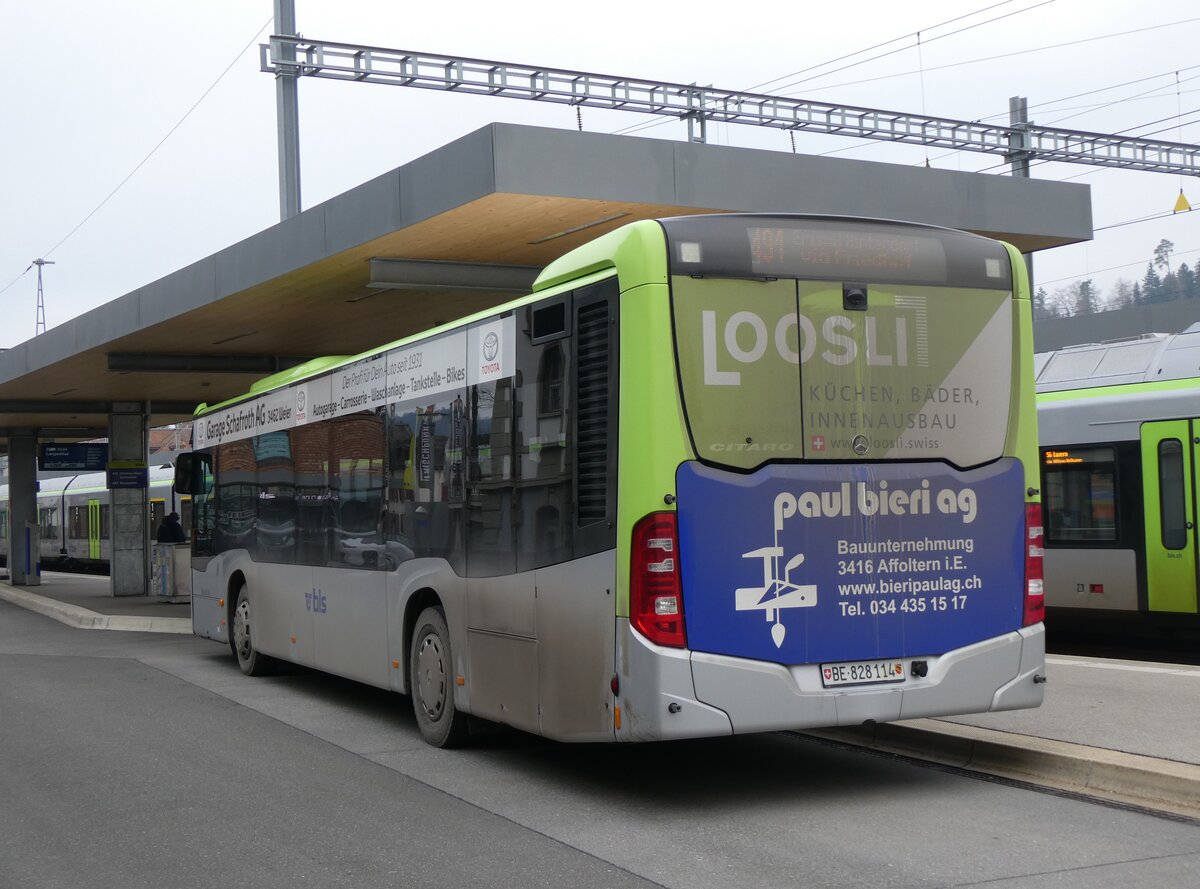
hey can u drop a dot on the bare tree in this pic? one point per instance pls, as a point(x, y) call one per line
point(1062, 302)
point(1121, 294)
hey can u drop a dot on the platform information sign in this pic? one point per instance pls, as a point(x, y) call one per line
point(128, 477)
point(80, 457)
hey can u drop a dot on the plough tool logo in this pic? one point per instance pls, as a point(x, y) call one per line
point(776, 593)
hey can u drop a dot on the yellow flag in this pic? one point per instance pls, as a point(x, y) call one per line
point(1182, 205)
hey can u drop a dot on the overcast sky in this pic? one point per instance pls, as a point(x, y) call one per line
point(90, 89)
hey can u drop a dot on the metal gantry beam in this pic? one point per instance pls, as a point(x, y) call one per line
point(307, 57)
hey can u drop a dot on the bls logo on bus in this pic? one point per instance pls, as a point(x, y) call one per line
point(315, 602)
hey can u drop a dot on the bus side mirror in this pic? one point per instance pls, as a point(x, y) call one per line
point(193, 474)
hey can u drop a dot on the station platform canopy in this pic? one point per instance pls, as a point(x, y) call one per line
point(466, 226)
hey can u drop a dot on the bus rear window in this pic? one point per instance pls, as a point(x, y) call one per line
point(792, 369)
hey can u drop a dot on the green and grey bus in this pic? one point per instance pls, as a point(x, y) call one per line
point(715, 474)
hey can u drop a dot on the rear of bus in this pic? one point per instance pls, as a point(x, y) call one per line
point(828, 478)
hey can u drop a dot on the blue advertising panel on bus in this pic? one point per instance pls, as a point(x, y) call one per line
point(809, 563)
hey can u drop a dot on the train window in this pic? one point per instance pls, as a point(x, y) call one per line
point(78, 528)
point(1079, 494)
point(157, 512)
point(1172, 508)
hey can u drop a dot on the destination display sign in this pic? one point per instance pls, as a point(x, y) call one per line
point(81, 457)
point(1076, 457)
point(834, 249)
point(846, 254)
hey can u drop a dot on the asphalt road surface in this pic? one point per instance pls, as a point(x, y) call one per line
point(131, 760)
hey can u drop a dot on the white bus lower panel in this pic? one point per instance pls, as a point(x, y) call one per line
point(996, 674)
point(666, 693)
point(208, 618)
point(656, 694)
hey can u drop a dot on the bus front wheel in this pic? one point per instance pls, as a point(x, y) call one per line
point(432, 682)
point(241, 641)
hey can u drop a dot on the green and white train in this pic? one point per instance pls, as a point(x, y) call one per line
point(73, 517)
point(1119, 429)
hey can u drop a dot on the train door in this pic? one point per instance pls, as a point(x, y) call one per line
point(1169, 459)
point(93, 529)
point(158, 511)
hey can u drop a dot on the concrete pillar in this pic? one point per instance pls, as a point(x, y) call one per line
point(129, 541)
point(22, 508)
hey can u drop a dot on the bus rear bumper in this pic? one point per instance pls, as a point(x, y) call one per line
point(1002, 673)
point(657, 696)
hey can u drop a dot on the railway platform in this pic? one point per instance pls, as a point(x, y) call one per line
point(1126, 732)
point(86, 601)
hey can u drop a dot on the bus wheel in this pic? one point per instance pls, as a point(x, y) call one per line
point(242, 643)
point(432, 682)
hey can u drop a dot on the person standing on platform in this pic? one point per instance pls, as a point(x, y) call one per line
point(170, 531)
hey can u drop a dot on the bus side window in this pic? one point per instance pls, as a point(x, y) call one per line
point(426, 449)
point(358, 486)
point(544, 454)
point(489, 484)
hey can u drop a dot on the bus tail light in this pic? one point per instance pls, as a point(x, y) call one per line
point(655, 593)
point(1035, 597)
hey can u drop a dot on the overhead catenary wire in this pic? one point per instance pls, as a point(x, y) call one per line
point(637, 128)
point(1114, 268)
point(151, 153)
point(916, 34)
point(1008, 55)
point(905, 48)
point(645, 126)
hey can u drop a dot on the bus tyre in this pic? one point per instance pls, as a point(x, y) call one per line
point(432, 680)
point(242, 641)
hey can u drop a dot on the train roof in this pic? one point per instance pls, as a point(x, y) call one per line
point(1102, 392)
point(1149, 358)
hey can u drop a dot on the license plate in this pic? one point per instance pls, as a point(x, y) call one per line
point(862, 673)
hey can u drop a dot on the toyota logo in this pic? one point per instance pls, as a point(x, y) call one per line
point(491, 345)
